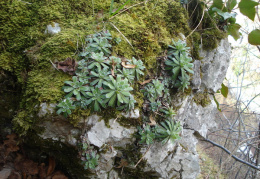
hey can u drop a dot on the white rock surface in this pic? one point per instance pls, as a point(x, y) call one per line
point(53, 28)
point(214, 66)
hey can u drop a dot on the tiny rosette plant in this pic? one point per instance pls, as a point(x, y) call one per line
point(76, 88)
point(168, 131)
point(98, 60)
point(65, 107)
point(92, 160)
point(101, 76)
point(95, 98)
point(147, 135)
point(118, 91)
point(179, 64)
point(139, 67)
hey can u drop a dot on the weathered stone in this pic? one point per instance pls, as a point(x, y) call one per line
point(46, 109)
point(214, 66)
point(60, 130)
point(53, 28)
point(132, 114)
point(196, 80)
point(196, 117)
point(99, 134)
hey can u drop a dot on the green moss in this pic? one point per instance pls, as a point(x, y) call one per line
point(41, 86)
point(150, 28)
point(202, 99)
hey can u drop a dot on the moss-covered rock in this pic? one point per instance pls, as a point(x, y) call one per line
point(27, 52)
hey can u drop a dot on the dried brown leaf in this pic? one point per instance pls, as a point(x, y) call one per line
point(153, 123)
point(144, 82)
point(127, 65)
point(67, 66)
point(123, 163)
point(52, 165)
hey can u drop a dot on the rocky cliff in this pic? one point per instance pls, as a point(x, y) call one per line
point(39, 35)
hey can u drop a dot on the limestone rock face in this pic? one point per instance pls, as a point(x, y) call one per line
point(214, 66)
point(178, 160)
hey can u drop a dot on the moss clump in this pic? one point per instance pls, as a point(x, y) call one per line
point(208, 32)
point(41, 87)
point(150, 28)
point(202, 99)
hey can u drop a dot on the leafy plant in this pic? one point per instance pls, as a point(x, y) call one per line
point(155, 105)
point(139, 66)
point(168, 130)
point(75, 88)
point(147, 135)
point(101, 76)
point(224, 10)
point(158, 86)
point(128, 106)
point(182, 83)
point(95, 99)
point(92, 160)
point(169, 112)
point(153, 90)
point(98, 60)
point(127, 73)
point(179, 65)
point(118, 92)
point(178, 48)
point(65, 107)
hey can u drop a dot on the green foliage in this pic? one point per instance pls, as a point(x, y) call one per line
point(118, 92)
point(97, 43)
point(247, 7)
point(254, 37)
point(127, 74)
point(100, 79)
point(76, 88)
point(98, 61)
point(95, 99)
point(169, 112)
point(179, 64)
point(153, 90)
point(92, 160)
point(178, 48)
point(65, 107)
point(147, 135)
point(224, 90)
point(139, 66)
point(168, 130)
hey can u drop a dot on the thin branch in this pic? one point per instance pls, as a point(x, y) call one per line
point(233, 156)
